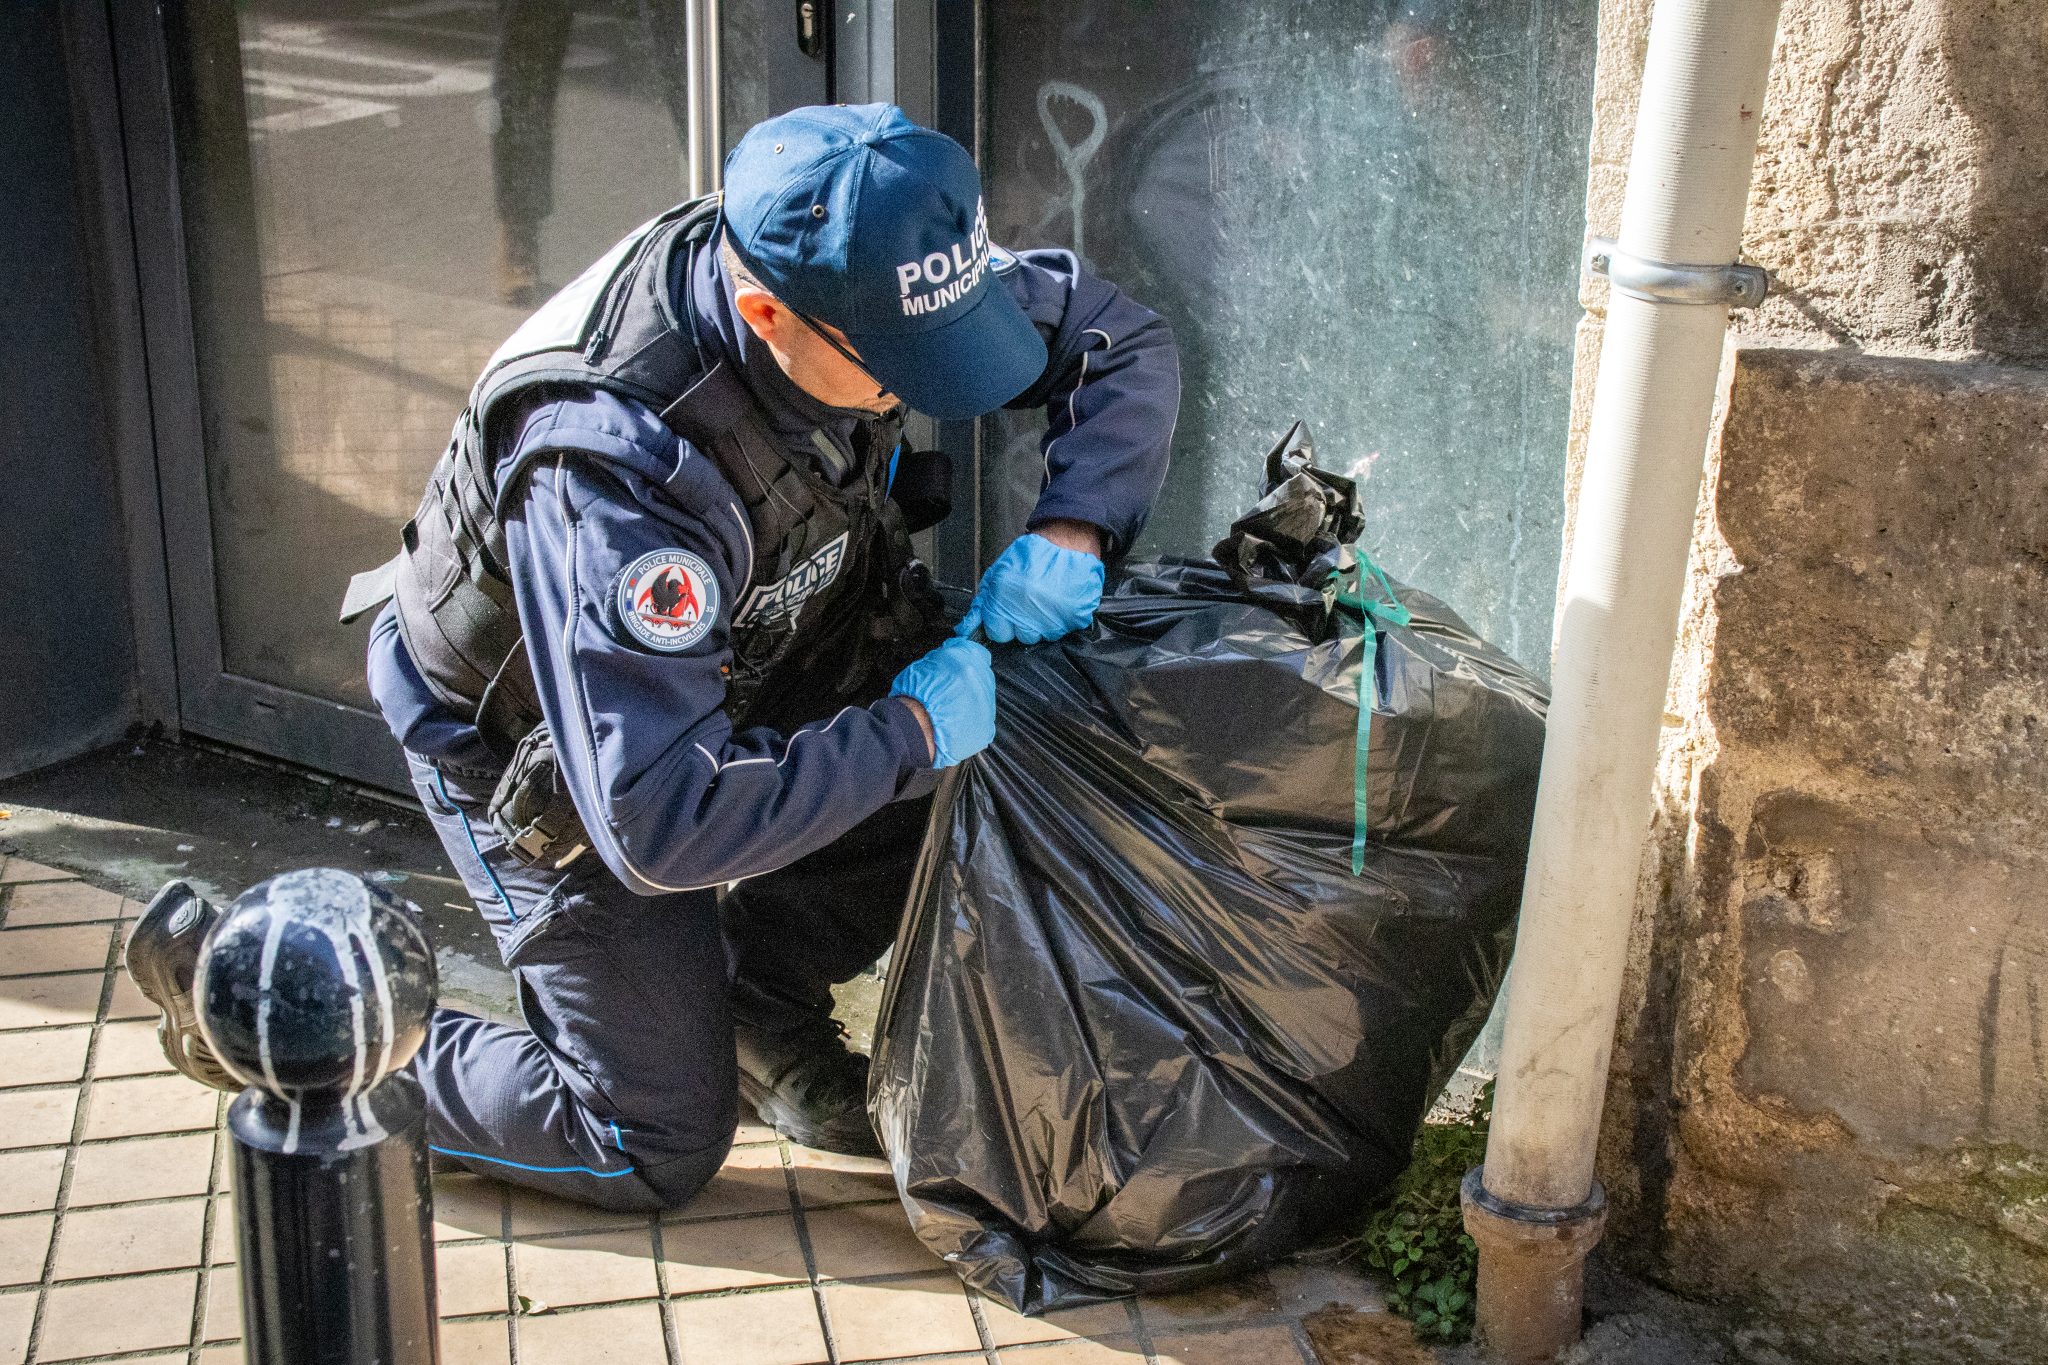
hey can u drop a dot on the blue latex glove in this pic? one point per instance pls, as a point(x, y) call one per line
point(1035, 591)
point(957, 689)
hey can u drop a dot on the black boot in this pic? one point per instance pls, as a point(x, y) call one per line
point(801, 1078)
point(163, 958)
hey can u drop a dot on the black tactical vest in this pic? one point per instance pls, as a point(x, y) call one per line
point(816, 545)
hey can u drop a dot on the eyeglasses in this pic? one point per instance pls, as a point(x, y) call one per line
point(845, 352)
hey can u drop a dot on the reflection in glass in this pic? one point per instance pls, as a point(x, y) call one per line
point(747, 28)
point(375, 193)
point(1367, 215)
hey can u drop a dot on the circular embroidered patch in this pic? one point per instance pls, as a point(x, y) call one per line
point(667, 600)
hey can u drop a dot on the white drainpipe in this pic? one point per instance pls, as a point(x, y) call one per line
point(1534, 1208)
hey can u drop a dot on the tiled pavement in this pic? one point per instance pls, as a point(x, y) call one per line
point(117, 1238)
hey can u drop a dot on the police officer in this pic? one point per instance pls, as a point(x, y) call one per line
point(672, 686)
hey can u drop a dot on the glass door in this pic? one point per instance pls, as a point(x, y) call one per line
point(1366, 215)
point(343, 206)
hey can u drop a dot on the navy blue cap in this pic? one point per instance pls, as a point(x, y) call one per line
point(855, 216)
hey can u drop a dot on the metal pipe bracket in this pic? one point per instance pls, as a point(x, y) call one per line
point(1730, 286)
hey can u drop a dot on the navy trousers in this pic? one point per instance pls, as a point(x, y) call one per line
point(621, 1090)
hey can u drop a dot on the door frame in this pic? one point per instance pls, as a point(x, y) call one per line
point(106, 223)
point(926, 56)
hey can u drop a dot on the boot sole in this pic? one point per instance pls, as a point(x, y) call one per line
point(177, 1023)
point(154, 932)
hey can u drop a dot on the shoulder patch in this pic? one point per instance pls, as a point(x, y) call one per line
point(667, 600)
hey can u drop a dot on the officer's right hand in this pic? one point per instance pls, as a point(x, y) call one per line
point(957, 689)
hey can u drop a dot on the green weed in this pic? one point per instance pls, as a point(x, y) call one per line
point(1417, 1240)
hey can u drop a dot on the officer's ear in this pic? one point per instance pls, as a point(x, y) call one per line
point(763, 313)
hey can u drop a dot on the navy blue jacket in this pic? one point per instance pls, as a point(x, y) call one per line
point(674, 798)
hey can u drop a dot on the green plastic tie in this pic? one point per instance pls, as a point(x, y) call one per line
point(1376, 612)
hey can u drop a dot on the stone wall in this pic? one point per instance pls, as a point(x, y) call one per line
point(1829, 1102)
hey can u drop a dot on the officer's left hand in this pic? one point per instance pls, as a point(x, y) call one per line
point(1041, 588)
point(956, 690)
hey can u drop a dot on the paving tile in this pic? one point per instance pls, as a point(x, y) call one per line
point(141, 1168)
point(222, 1248)
point(149, 1104)
point(1117, 1351)
point(137, 1313)
point(221, 1355)
point(46, 1057)
point(223, 1307)
point(924, 1315)
point(40, 1001)
point(625, 1334)
point(1007, 1327)
point(69, 948)
point(128, 1001)
point(591, 1267)
point(1232, 1346)
point(36, 1118)
point(476, 1343)
point(1376, 1337)
point(470, 1278)
point(130, 1239)
point(537, 1215)
point(778, 1327)
point(17, 1315)
point(24, 1246)
point(827, 1178)
point(747, 1133)
point(28, 1180)
point(467, 1205)
point(1304, 1287)
point(1244, 1297)
point(869, 1239)
point(750, 1181)
point(14, 870)
point(128, 1049)
point(56, 902)
point(732, 1253)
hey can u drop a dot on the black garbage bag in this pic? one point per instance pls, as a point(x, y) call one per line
point(1146, 1025)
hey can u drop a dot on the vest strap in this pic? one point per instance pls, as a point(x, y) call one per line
point(371, 589)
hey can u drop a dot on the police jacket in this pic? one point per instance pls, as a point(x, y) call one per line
point(609, 502)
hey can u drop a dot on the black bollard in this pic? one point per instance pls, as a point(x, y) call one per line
point(314, 991)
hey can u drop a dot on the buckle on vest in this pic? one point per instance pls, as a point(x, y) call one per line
point(532, 811)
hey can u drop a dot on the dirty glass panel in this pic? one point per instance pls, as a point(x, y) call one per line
point(1366, 215)
point(743, 55)
point(376, 194)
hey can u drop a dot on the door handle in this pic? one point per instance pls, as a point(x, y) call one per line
point(811, 26)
